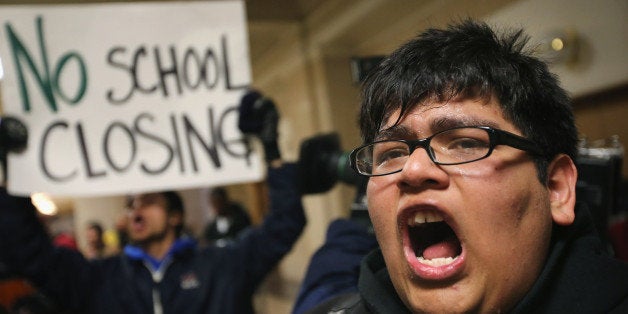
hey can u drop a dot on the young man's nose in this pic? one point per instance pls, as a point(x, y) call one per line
point(419, 168)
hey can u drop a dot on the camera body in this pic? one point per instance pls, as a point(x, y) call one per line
point(13, 138)
point(322, 163)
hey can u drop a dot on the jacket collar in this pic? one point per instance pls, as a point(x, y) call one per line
point(180, 246)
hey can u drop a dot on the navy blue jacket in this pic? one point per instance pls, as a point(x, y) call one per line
point(334, 268)
point(211, 280)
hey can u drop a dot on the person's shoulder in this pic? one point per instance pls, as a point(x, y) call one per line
point(349, 303)
point(238, 207)
point(113, 261)
point(620, 308)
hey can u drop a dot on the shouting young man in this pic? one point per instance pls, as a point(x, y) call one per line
point(469, 146)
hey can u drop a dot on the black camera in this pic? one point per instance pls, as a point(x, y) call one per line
point(13, 138)
point(322, 163)
point(13, 135)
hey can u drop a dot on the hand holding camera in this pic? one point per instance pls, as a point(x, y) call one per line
point(259, 117)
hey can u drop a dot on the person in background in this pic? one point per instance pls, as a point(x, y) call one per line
point(65, 239)
point(335, 266)
point(160, 271)
point(120, 232)
point(95, 244)
point(469, 147)
point(231, 218)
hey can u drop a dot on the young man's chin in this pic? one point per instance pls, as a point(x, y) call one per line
point(141, 240)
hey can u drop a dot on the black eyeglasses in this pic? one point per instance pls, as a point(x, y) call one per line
point(450, 147)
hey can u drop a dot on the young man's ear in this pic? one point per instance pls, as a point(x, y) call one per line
point(561, 184)
point(175, 219)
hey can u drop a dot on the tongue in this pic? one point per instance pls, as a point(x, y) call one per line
point(447, 248)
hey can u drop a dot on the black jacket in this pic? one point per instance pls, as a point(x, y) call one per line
point(212, 280)
point(238, 221)
point(579, 277)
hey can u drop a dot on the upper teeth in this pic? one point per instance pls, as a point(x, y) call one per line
point(424, 217)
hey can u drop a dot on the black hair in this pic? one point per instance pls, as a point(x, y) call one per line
point(469, 60)
point(174, 204)
point(220, 192)
point(97, 227)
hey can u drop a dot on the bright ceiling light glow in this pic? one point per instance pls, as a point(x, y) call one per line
point(44, 204)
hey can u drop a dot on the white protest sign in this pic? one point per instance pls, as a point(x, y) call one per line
point(126, 97)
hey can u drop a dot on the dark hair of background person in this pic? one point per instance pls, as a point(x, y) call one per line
point(174, 205)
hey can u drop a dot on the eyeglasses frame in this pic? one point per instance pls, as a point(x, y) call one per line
point(496, 137)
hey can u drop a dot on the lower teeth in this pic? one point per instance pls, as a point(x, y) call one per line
point(440, 261)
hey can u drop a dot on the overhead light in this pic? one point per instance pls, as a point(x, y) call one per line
point(560, 46)
point(44, 204)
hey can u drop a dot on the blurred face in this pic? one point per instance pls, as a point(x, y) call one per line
point(148, 219)
point(92, 235)
point(218, 203)
point(460, 238)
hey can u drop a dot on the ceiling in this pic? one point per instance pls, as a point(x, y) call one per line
point(264, 15)
point(280, 10)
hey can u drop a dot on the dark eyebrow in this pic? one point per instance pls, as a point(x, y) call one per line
point(394, 132)
point(446, 123)
point(441, 124)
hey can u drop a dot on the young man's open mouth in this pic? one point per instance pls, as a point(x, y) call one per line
point(432, 247)
point(137, 223)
